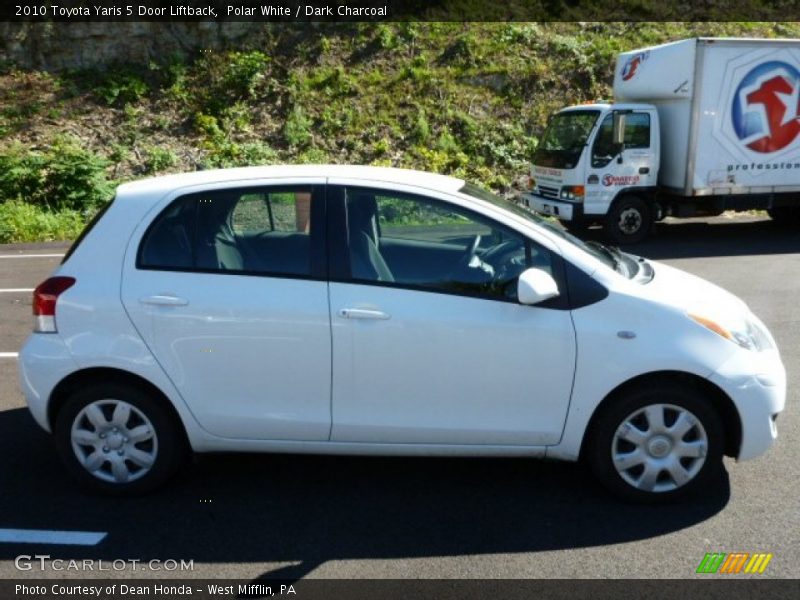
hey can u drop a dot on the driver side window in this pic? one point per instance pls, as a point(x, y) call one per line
point(637, 136)
point(413, 241)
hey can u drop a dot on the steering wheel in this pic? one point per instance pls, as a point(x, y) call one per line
point(469, 252)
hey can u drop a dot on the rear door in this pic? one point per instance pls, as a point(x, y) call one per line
point(227, 287)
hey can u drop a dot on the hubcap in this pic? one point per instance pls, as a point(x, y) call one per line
point(630, 220)
point(114, 441)
point(659, 448)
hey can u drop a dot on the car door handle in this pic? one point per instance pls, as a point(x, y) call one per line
point(644, 170)
point(363, 313)
point(164, 300)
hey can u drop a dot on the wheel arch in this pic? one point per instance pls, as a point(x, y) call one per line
point(79, 379)
point(719, 400)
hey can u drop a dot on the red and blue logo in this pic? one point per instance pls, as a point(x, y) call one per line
point(631, 66)
point(765, 107)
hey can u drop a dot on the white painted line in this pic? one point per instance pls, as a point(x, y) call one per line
point(9, 354)
point(15, 290)
point(31, 255)
point(49, 536)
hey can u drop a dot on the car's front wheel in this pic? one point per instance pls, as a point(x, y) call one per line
point(118, 439)
point(656, 443)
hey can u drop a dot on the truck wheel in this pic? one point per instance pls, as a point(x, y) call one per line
point(656, 443)
point(788, 216)
point(576, 228)
point(629, 220)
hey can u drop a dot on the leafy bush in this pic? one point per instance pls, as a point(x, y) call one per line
point(121, 88)
point(159, 159)
point(65, 176)
point(220, 80)
point(223, 153)
point(245, 71)
point(297, 129)
point(23, 222)
point(421, 131)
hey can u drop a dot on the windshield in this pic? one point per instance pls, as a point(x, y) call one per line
point(565, 138)
point(598, 251)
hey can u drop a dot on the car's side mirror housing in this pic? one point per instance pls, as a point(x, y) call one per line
point(535, 286)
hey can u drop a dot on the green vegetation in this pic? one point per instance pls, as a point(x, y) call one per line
point(63, 176)
point(469, 99)
point(23, 222)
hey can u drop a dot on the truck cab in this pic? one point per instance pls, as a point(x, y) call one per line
point(599, 163)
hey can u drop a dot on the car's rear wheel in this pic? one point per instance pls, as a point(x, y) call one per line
point(656, 443)
point(118, 439)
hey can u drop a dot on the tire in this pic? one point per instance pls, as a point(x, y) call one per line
point(785, 216)
point(96, 432)
point(576, 228)
point(640, 461)
point(629, 221)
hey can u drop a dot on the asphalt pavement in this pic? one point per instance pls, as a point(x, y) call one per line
point(259, 516)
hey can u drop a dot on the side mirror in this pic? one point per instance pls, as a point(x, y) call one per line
point(618, 134)
point(535, 286)
point(618, 131)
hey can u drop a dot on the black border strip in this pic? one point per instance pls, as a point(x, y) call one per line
point(287, 11)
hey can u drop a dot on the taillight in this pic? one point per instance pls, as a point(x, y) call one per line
point(45, 297)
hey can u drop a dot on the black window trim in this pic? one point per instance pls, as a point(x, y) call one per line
point(318, 267)
point(339, 250)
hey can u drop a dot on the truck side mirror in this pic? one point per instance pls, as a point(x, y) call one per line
point(618, 131)
point(618, 134)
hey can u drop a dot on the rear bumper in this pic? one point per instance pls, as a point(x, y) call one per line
point(756, 383)
point(566, 211)
point(43, 362)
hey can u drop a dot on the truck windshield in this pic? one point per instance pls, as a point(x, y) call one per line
point(565, 138)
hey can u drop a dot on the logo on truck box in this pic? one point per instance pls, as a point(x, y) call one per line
point(765, 107)
point(631, 66)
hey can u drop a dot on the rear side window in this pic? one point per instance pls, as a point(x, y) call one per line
point(89, 226)
point(265, 231)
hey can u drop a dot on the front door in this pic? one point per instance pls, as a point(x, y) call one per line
point(610, 171)
point(430, 345)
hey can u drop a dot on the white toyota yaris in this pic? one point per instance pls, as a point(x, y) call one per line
point(364, 310)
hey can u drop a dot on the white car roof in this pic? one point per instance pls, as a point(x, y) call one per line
point(167, 183)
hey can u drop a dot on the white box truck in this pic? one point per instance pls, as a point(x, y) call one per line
point(697, 127)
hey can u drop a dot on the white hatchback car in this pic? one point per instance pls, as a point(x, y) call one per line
point(364, 310)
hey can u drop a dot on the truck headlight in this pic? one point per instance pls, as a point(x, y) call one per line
point(572, 192)
point(745, 329)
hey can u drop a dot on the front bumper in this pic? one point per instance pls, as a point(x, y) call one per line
point(756, 383)
point(566, 211)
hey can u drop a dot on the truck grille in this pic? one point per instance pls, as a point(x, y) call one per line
point(548, 192)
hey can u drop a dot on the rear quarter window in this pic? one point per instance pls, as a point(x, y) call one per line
point(89, 226)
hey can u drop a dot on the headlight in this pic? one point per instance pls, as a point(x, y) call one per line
point(573, 192)
point(744, 330)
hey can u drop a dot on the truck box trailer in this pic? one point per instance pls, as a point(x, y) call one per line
point(697, 127)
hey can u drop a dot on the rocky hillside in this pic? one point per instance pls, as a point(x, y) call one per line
point(469, 99)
